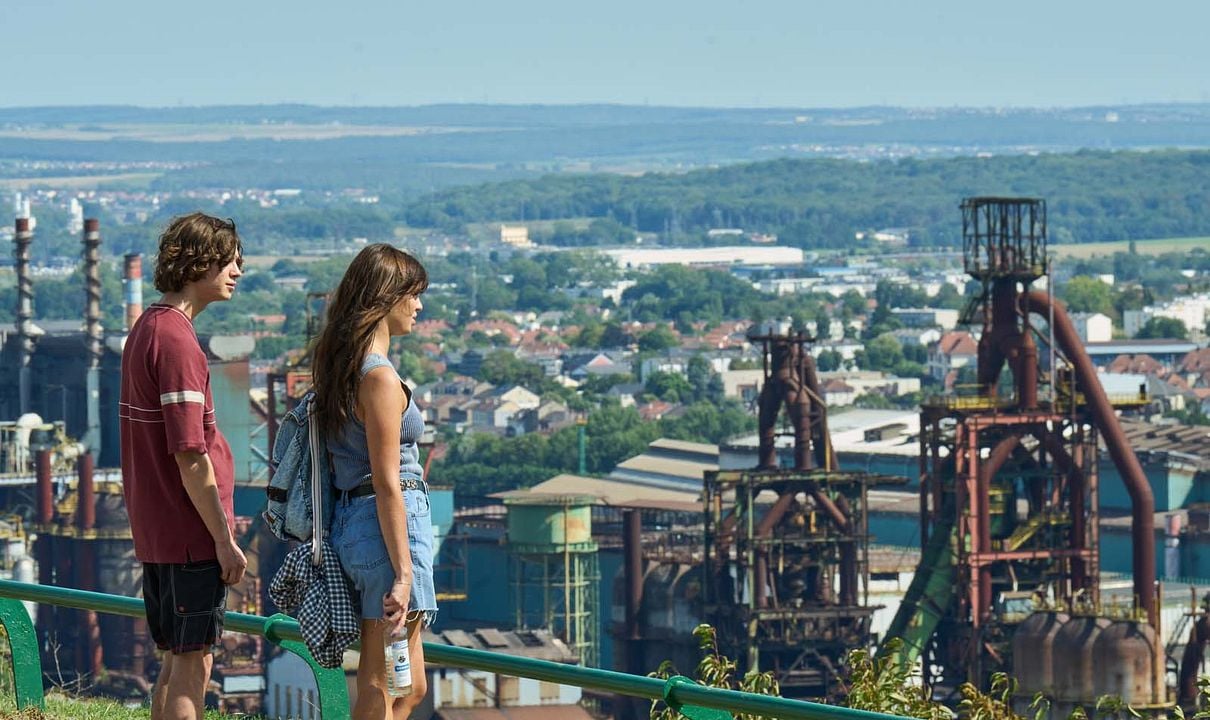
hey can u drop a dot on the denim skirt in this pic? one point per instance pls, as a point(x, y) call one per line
point(357, 538)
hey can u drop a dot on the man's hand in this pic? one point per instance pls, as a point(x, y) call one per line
point(231, 561)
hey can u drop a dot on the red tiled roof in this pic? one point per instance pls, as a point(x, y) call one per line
point(1197, 361)
point(1138, 364)
point(655, 409)
point(836, 385)
point(957, 342)
point(430, 328)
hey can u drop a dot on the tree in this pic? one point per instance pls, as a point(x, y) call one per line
point(876, 401)
point(1088, 294)
point(881, 353)
point(1163, 328)
point(829, 360)
point(852, 304)
point(706, 384)
point(715, 670)
point(501, 367)
point(669, 387)
point(658, 338)
point(255, 282)
point(709, 423)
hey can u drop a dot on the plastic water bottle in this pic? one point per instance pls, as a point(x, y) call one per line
point(398, 665)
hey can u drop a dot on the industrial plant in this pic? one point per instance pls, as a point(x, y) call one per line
point(790, 546)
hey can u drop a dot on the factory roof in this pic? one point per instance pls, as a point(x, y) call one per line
point(1190, 443)
point(616, 493)
point(849, 430)
point(669, 464)
point(1136, 347)
point(539, 644)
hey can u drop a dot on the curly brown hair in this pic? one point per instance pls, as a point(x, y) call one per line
point(378, 278)
point(190, 246)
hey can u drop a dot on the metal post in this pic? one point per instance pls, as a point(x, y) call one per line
point(23, 643)
point(333, 689)
point(583, 445)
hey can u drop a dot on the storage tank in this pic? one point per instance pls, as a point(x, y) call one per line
point(1072, 658)
point(548, 522)
point(1125, 667)
point(1033, 647)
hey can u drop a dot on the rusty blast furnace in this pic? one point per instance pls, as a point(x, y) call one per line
point(1008, 495)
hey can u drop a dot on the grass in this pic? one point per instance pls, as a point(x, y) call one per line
point(62, 707)
point(1144, 247)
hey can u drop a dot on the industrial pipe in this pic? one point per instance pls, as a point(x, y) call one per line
point(44, 550)
point(1142, 501)
point(86, 518)
point(1191, 660)
point(995, 460)
point(88, 651)
point(46, 492)
point(632, 537)
point(772, 394)
point(1007, 340)
point(22, 239)
point(132, 287)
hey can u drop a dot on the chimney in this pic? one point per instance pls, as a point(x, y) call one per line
point(25, 311)
point(92, 280)
point(132, 287)
point(92, 332)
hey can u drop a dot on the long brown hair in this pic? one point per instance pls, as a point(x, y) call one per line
point(378, 278)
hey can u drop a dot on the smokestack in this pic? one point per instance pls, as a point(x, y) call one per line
point(92, 280)
point(92, 317)
point(1172, 548)
point(132, 287)
point(25, 311)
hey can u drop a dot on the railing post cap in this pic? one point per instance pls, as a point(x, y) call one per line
point(271, 625)
point(670, 685)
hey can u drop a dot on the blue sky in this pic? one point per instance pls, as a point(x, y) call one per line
point(790, 53)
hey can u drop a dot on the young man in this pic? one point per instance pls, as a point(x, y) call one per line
point(177, 469)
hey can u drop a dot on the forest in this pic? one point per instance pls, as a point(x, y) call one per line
point(821, 203)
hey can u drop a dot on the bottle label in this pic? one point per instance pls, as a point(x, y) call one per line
point(401, 666)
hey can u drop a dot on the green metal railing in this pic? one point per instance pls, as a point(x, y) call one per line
point(691, 699)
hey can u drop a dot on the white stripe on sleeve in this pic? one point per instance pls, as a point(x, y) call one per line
point(183, 396)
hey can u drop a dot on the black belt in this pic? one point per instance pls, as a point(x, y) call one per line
point(367, 488)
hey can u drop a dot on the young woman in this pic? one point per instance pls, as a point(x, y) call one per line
point(381, 529)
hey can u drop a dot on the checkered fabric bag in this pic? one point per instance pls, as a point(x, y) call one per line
point(318, 595)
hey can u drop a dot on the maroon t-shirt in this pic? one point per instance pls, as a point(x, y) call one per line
point(166, 407)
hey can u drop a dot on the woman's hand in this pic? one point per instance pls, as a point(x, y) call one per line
point(395, 606)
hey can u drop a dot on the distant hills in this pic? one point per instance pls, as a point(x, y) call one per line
point(811, 176)
point(455, 144)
